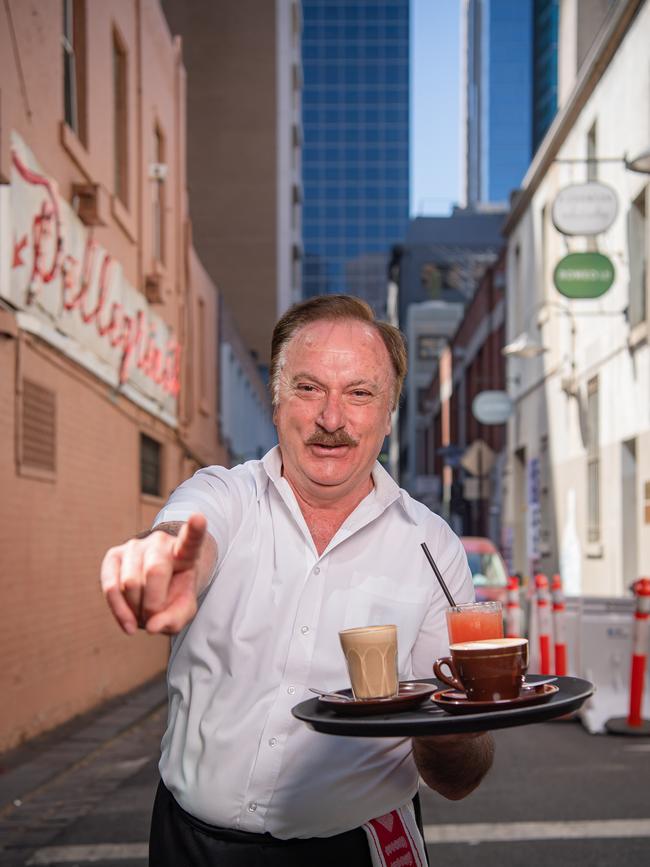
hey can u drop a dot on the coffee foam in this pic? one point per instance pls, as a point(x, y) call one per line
point(489, 644)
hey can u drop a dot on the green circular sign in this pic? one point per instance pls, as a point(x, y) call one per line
point(583, 275)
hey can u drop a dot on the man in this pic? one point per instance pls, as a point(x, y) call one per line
point(255, 572)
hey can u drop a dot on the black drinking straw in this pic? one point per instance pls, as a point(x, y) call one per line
point(432, 562)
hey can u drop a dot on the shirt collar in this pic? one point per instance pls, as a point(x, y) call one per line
point(387, 491)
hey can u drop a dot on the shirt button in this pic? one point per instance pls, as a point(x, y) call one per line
point(291, 690)
point(273, 742)
point(316, 570)
point(304, 630)
point(252, 807)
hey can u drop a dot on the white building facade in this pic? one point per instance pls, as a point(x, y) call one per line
point(577, 480)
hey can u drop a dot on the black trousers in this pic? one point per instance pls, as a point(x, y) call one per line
point(180, 840)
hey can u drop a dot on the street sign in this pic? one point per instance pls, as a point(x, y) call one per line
point(492, 407)
point(583, 275)
point(451, 454)
point(478, 459)
point(585, 209)
point(475, 488)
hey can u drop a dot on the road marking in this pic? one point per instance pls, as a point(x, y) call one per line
point(478, 832)
point(90, 854)
point(508, 832)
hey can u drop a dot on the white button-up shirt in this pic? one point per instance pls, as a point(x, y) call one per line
point(267, 628)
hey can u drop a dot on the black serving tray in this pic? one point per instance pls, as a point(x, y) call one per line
point(429, 719)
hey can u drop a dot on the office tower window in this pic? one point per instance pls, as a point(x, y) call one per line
point(637, 229)
point(74, 66)
point(593, 462)
point(120, 121)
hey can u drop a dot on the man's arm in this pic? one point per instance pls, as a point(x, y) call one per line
point(153, 581)
point(454, 765)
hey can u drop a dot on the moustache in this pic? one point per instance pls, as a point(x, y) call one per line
point(336, 438)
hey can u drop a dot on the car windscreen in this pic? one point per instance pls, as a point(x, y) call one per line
point(487, 570)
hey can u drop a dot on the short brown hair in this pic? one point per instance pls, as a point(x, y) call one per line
point(334, 307)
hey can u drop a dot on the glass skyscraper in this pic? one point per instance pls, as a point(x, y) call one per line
point(498, 97)
point(355, 157)
point(546, 15)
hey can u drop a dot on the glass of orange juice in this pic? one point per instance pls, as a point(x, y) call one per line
point(474, 620)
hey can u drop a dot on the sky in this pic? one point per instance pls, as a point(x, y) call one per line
point(435, 106)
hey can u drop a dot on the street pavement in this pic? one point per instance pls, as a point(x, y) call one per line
point(555, 796)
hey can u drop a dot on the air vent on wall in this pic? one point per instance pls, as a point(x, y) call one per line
point(38, 427)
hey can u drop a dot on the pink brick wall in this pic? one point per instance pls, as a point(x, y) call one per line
point(60, 651)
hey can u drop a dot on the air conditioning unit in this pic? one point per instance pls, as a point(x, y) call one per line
point(158, 171)
point(154, 285)
point(92, 204)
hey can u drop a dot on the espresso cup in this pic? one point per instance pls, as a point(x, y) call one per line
point(371, 656)
point(488, 670)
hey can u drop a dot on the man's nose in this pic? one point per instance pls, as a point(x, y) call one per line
point(332, 414)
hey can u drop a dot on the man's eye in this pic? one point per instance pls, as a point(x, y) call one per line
point(303, 386)
point(361, 393)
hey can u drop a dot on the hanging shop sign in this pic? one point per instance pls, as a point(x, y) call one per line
point(585, 209)
point(492, 407)
point(583, 275)
point(76, 296)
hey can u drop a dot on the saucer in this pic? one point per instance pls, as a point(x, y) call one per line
point(410, 695)
point(457, 702)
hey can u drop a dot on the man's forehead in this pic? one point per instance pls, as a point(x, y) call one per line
point(340, 336)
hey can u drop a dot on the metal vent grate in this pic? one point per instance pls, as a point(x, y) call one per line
point(150, 460)
point(38, 426)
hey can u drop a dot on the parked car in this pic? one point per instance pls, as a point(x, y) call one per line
point(490, 577)
point(489, 572)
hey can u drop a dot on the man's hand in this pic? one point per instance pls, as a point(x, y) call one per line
point(454, 765)
point(153, 582)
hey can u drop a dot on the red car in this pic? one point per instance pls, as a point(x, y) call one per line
point(488, 569)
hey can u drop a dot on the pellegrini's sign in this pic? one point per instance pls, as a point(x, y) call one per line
point(67, 284)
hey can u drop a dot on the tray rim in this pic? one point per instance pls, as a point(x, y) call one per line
point(437, 721)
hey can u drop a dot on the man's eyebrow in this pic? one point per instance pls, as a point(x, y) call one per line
point(304, 375)
point(369, 383)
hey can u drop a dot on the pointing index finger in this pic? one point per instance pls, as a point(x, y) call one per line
point(189, 542)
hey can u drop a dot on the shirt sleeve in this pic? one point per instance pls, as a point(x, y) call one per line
point(450, 557)
point(222, 496)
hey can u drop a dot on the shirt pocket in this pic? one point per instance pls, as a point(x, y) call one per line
point(377, 600)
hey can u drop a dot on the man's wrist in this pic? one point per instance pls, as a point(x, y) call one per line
point(172, 528)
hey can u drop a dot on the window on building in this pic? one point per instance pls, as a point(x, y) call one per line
point(428, 347)
point(120, 120)
point(637, 230)
point(593, 462)
point(158, 196)
point(74, 66)
point(150, 466)
point(203, 348)
point(592, 153)
point(544, 249)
